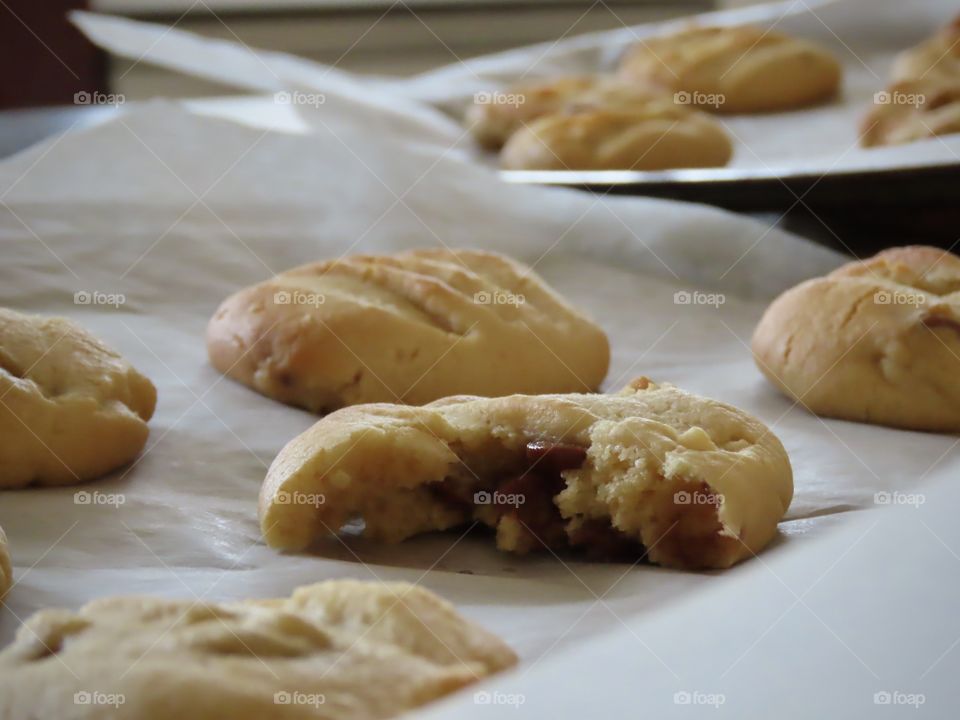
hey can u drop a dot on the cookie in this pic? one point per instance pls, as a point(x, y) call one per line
point(656, 136)
point(338, 649)
point(876, 341)
point(6, 569)
point(410, 327)
point(71, 409)
point(495, 116)
point(937, 58)
point(742, 69)
point(913, 110)
point(649, 472)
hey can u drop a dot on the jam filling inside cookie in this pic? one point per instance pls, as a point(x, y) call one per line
point(520, 500)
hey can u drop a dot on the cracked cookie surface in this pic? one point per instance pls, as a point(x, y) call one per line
point(876, 341)
point(651, 471)
point(338, 649)
point(410, 327)
point(736, 69)
point(656, 135)
point(71, 409)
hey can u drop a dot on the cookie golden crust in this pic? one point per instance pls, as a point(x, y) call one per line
point(688, 482)
point(337, 649)
point(741, 69)
point(874, 341)
point(495, 116)
point(6, 569)
point(913, 110)
point(410, 327)
point(71, 409)
point(937, 58)
point(656, 136)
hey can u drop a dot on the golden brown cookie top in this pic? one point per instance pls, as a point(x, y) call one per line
point(655, 135)
point(913, 110)
point(340, 648)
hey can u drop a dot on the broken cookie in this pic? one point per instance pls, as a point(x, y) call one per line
point(650, 472)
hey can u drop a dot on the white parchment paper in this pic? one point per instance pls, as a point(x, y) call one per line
point(176, 209)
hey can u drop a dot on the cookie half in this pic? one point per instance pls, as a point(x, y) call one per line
point(495, 116)
point(649, 472)
point(876, 341)
point(6, 569)
point(71, 409)
point(410, 327)
point(739, 69)
point(337, 649)
point(655, 136)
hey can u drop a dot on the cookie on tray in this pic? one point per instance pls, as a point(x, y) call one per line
point(338, 649)
point(913, 110)
point(735, 69)
point(875, 341)
point(495, 116)
point(409, 327)
point(937, 58)
point(71, 409)
point(657, 135)
point(650, 472)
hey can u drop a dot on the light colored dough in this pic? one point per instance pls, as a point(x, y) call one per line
point(913, 110)
point(937, 58)
point(655, 136)
point(338, 649)
point(410, 327)
point(71, 409)
point(6, 569)
point(752, 70)
point(387, 465)
point(502, 113)
point(875, 341)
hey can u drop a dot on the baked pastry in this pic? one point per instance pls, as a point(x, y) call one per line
point(913, 110)
point(6, 569)
point(656, 136)
point(937, 58)
point(337, 649)
point(649, 472)
point(876, 341)
point(742, 69)
point(410, 327)
point(71, 409)
point(495, 116)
